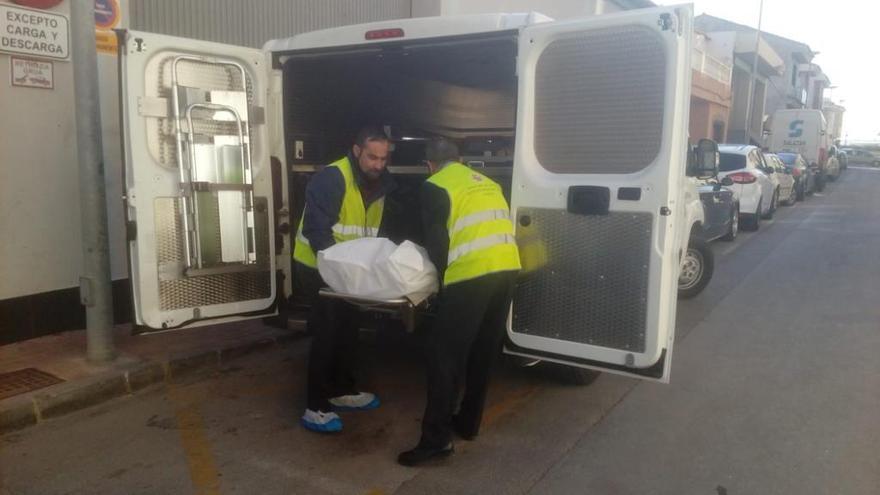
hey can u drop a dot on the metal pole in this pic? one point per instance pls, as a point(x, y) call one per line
point(752, 85)
point(95, 283)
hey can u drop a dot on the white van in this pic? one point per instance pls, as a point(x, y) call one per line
point(805, 132)
point(583, 121)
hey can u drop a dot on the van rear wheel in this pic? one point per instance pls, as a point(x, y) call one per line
point(571, 375)
point(697, 267)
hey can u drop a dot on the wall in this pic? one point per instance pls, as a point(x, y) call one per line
point(39, 195)
point(739, 93)
point(247, 23)
point(698, 124)
point(557, 9)
point(703, 117)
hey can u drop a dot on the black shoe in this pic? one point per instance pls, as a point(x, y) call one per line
point(420, 455)
point(463, 432)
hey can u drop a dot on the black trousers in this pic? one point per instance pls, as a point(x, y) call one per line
point(463, 342)
point(334, 327)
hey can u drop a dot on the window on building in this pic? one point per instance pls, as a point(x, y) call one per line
point(718, 131)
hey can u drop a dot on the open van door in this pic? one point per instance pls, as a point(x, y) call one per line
point(599, 164)
point(198, 180)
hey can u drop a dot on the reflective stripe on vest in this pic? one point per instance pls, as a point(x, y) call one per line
point(481, 243)
point(481, 237)
point(480, 216)
point(354, 220)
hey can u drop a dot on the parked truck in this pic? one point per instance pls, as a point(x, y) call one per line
point(806, 132)
point(583, 122)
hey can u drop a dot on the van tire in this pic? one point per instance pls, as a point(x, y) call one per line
point(571, 375)
point(700, 265)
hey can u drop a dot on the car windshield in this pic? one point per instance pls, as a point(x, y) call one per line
point(787, 158)
point(731, 161)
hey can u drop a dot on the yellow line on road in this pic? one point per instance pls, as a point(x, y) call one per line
point(199, 457)
point(508, 404)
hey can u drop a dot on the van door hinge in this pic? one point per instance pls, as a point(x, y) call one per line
point(666, 22)
point(665, 211)
point(130, 230)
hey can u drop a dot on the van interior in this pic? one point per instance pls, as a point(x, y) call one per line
point(463, 88)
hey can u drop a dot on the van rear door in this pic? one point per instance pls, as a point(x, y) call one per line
point(600, 158)
point(198, 181)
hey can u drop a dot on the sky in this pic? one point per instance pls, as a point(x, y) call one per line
point(844, 32)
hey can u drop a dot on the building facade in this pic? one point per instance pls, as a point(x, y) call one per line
point(787, 77)
point(834, 117)
point(710, 92)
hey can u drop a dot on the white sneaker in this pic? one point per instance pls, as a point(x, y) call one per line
point(360, 401)
point(321, 422)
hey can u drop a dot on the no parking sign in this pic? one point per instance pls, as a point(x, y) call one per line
point(106, 14)
point(107, 17)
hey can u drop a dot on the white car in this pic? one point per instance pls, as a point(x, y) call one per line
point(785, 182)
point(753, 186)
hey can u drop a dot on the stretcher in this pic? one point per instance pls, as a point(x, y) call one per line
point(402, 308)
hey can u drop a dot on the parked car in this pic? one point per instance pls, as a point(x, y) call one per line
point(857, 156)
point(697, 259)
point(843, 158)
point(783, 178)
point(721, 210)
point(833, 167)
point(753, 187)
point(804, 176)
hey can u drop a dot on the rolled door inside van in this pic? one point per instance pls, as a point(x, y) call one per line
point(600, 155)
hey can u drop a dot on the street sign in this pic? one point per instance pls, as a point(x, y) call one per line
point(107, 17)
point(31, 73)
point(106, 14)
point(36, 33)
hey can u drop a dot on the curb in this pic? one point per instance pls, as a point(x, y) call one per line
point(31, 409)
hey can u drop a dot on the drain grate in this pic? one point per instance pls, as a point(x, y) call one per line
point(21, 381)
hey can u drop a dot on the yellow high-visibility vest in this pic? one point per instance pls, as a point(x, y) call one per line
point(354, 221)
point(481, 237)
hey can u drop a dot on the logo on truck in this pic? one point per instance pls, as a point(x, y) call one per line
point(796, 129)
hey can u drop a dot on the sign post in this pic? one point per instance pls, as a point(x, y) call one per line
point(95, 283)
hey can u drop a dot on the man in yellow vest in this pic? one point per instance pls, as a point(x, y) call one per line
point(344, 201)
point(469, 237)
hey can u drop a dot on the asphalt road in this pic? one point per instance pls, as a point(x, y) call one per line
point(775, 389)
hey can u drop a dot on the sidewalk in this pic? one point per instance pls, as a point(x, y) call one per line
point(143, 360)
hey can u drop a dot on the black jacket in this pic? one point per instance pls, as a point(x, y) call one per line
point(324, 194)
point(435, 215)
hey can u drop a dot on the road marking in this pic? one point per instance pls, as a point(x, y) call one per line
point(199, 456)
point(733, 247)
point(508, 404)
